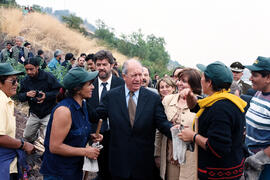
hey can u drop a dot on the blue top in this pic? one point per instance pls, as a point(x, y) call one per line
point(7, 155)
point(53, 63)
point(78, 136)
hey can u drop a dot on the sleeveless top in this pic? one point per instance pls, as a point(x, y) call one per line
point(78, 136)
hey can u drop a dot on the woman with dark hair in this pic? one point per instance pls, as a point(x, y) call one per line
point(9, 145)
point(178, 113)
point(68, 129)
point(220, 125)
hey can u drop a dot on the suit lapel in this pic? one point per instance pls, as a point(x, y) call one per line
point(95, 93)
point(140, 104)
point(113, 82)
point(121, 102)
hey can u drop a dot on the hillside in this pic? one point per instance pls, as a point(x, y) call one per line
point(47, 33)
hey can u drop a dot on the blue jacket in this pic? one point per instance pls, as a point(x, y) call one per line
point(53, 63)
point(7, 155)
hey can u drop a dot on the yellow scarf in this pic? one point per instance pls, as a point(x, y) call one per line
point(223, 94)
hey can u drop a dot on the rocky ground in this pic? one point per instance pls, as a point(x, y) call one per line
point(34, 160)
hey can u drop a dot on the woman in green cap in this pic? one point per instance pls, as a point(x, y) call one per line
point(9, 145)
point(68, 130)
point(220, 118)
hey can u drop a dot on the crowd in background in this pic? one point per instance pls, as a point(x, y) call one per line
point(225, 118)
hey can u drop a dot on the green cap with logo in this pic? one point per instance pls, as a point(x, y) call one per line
point(260, 64)
point(7, 70)
point(218, 72)
point(76, 76)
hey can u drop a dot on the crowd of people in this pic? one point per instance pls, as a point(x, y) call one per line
point(222, 122)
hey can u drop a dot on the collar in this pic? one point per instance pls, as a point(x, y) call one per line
point(174, 101)
point(136, 93)
point(223, 94)
point(109, 81)
point(75, 104)
point(3, 96)
point(237, 82)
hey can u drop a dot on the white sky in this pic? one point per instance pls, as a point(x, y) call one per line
point(196, 31)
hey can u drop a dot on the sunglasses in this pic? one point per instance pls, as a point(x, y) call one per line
point(13, 82)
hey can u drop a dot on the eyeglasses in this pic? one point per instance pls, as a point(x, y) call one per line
point(13, 81)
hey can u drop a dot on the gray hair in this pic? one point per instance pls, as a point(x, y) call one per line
point(125, 65)
point(20, 38)
point(57, 52)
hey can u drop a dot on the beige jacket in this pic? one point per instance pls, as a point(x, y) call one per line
point(185, 117)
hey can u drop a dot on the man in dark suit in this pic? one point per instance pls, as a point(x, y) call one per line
point(134, 114)
point(104, 82)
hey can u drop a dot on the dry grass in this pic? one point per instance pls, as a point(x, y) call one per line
point(46, 32)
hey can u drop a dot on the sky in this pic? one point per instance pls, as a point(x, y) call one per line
point(195, 31)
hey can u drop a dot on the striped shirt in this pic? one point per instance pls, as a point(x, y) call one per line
point(258, 121)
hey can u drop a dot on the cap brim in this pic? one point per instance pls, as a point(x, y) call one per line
point(254, 68)
point(91, 76)
point(13, 73)
point(201, 67)
point(237, 70)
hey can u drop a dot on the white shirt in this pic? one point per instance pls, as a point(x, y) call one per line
point(100, 86)
point(135, 97)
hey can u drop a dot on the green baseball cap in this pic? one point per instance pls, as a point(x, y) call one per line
point(6, 70)
point(260, 64)
point(76, 76)
point(218, 72)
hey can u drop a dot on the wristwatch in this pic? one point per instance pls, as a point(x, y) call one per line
point(22, 144)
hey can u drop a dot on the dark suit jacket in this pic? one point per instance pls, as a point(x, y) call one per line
point(131, 151)
point(244, 86)
point(93, 102)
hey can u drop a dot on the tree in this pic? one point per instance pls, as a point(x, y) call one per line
point(37, 8)
point(150, 49)
point(72, 21)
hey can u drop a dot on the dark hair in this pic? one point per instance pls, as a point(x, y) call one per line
point(8, 42)
point(216, 87)
point(264, 73)
point(26, 44)
point(149, 72)
point(102, 54)
point(40, 52)
point(64, 93)
point(179, 67)
point(83, 54)
point(3, 79)
point(194, 79)
point(89, 56)
point(34, 61)
point(69, 56)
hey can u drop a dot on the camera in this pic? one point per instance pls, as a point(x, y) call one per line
point(38, 94)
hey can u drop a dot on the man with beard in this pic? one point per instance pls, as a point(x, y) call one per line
point(146, 80)
point(39, 88)
point(103, 83)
